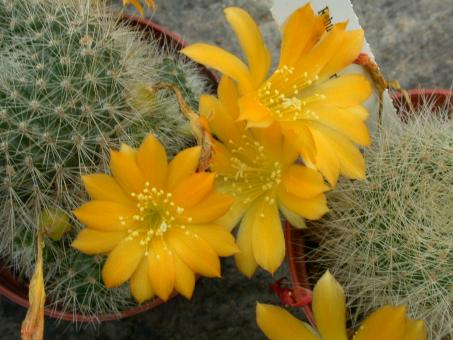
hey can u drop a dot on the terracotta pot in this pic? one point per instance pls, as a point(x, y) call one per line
point(437, 97)
point(295, 249)
point(17, 291)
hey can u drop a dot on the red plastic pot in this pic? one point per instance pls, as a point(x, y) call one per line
point(295, 249)
point(17, 291)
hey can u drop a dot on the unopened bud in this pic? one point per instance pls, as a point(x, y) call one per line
point(55, 223)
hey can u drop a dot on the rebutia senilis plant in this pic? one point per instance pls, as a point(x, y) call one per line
point(73, 85)
point(389, 239)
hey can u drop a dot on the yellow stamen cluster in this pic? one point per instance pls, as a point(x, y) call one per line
point(282, 94)
point(254, 173)
point(155, 215)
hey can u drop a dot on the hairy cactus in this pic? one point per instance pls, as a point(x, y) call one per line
point(389, 239)
point(74, 83)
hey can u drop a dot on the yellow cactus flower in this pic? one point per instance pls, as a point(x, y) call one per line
point(136, 3)
point(155, 220)
point(257, 167)
point(304, 94)
point(388, 322)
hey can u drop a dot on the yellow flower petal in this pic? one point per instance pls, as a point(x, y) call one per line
point(220, 240)
point(126, 172)
point(184, 278)
point(151, 4)
point(32, 327)
point(271, 139)
point(139, 284)
point(359, 112)
point(349, 51)
point(268, 241)
point(102, 187)
point(183, 165)
point(278, 324)
point(329, 308)
point(314, 60)
point(233, 215)
point(303, 182)
point(221, 159)
point(212, 207)
point(193, 189)
point(105, 216)
point(251, 41)
point(194, 251)
point(228, 96)
point(290, 152)
point(326, 161)
point(346, 90)
point(302, 30)
point(128, 150)
point(299, 134)
point(122, 262)
point(136, 4)
point(256, 114)
point(388, 322)
point(152, 161)
point(415, 330)
point(220, 122)
point(245, 260)
point(350, 159)
point(343, 121)
point(294, 219)
point(312, 209)
point(161, 268)
point(93, 242)
point(222, 61)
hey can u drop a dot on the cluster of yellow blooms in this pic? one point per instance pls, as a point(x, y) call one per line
point(279, 143)
point(264, 125)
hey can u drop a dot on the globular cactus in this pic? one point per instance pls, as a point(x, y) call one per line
point(74, 83)
point(389, 239)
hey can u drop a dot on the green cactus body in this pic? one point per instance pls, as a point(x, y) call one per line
point(389, 238)
point(74, 83)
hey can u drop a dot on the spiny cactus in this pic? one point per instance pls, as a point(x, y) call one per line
point(74, 83)
point(389, 239)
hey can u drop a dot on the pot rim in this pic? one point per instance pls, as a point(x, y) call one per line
point(18, 292)
point(294, 238)
point(441, 93)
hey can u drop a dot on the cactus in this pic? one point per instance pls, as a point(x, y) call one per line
point(74, 83)
point(389, 239)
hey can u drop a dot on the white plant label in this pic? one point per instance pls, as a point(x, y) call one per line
point(339, 11)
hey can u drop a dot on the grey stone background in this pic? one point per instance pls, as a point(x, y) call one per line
point(412, 41)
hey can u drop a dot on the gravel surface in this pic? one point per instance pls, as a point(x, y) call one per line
point(412, 41)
